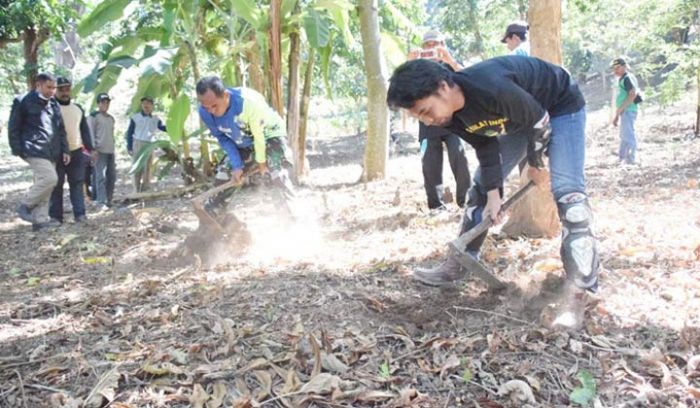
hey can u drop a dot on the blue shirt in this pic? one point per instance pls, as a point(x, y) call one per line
point(226, 129)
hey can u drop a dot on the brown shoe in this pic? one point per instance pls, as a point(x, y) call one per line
point(444, 274)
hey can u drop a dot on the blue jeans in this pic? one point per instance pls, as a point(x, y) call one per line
point(75, 172)
point(566, 160)
point(628, 139)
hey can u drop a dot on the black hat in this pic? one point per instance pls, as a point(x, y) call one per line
point(519, 27)
point(618, 61)
point(103, 97)
point(147, 98)
point(62, 81)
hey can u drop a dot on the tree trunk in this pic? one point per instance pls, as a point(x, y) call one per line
point(66, 50)
point(536, 215)
point(207, 167)
point(293, 101)
point(275, 35)
point(32, 40)
point(377, 112)
point(697, 115)
point(255, 75)
point(474, 18)
point(304, 115)
point(544, 17)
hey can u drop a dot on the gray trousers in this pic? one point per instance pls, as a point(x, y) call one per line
point(105, 177)
point(45, 179)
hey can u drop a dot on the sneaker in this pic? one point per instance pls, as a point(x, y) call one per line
point(24, 213)
point(100, 208)
point(80, 219)
point(444, 274)
point(51, 224)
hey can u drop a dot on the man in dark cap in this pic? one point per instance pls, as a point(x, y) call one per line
point(516, 39)
point(102, 124)
point(628, 97)
point(143, 127)
point(80, 147)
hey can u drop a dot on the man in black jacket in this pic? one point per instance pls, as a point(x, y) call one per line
point(37, 135)
point(80, 146)
point(509, 108)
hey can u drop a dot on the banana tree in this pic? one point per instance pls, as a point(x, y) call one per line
point(167, 35)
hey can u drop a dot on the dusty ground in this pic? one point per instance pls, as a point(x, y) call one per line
point(325, 313)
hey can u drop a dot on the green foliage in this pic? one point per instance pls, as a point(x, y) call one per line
point(50, 16)
point(384, 370)
point(584, 394)
point(652, 35)
point(317, 28)
point(177, 115)
point(103, 14)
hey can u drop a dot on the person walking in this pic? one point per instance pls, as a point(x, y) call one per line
point(79, 143)
point(37, 135)
point(102, 125)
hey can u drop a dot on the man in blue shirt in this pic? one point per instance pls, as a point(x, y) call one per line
point(248, 130)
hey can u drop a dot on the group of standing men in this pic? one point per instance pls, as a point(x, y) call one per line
point(52, 133)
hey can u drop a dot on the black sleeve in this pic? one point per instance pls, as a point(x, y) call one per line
point(526, 113)
point(489, 156)
point(14, 127)
point(521, 108)
point(627, 83)
point(85, 133)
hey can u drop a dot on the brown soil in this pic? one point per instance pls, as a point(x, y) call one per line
point(324, 313)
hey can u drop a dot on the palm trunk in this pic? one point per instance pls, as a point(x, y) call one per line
point(293, 101)
point(207, 167)
point(255, 74)
point(376, 150)
point(536, 215)
point(275, 36)
point(697, 115)
point(304, 115)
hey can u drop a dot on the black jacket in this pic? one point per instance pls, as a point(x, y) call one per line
point(36, 128)
point(509, 95)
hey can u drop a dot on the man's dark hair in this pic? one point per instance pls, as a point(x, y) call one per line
point(415, 80)
point(44, 77)
point(211, 83)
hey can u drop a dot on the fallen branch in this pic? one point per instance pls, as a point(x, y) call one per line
point(21, 389)
point(158, 195)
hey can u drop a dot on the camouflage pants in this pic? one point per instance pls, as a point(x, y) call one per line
point(278, 165)
point(276, 154)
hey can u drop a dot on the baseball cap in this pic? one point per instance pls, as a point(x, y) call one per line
point(433, 35)
point(147, 98)
point(618, 61)
point(62, 81)
point(103, 97)
point(518, 27)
